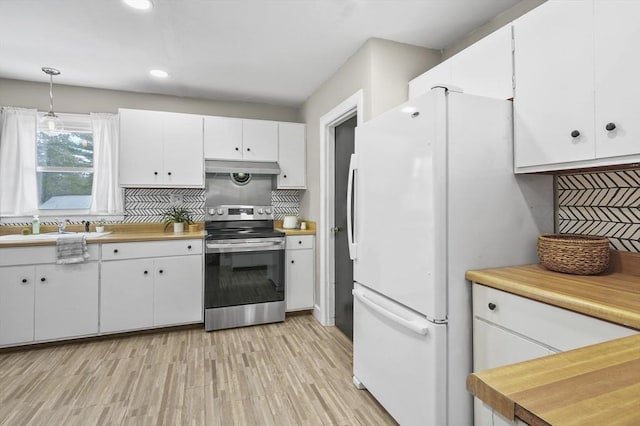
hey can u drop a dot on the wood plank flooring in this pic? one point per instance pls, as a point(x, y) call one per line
point(292, 373)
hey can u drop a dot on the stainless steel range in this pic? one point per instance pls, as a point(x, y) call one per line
point(244, 267)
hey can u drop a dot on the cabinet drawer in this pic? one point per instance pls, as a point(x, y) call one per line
point(137, 250)
point(35, 255)
point(298, 242)
point(555, 327)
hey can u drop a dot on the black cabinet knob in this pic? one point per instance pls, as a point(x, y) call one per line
point(161, 271)
point(169, 173)
point(248, 149)
point(293, 261)
point(146, 272)
point(43, 279)
point(492, 306)
point(285, 176)
point(610, 127)
point(189, 247)
point(299, 242)
point(575, 134)
point(237, 149)
point(155, 173)
point(24, 281)
point(115, 251)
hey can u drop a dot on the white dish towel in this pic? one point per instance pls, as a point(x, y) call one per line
point(71, 248)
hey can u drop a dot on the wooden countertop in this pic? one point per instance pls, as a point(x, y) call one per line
point(594, 385)
point(311, 228)
point(613, 295)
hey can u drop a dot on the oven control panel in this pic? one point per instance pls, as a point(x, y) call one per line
point(219, 213)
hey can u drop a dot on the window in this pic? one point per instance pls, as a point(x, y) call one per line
point(65, 165)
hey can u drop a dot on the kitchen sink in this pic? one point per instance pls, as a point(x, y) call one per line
point(51, 236)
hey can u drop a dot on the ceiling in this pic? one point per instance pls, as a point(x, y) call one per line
point(267, 51)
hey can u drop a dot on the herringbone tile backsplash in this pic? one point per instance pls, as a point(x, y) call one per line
point(148, 204)
point(606, 204)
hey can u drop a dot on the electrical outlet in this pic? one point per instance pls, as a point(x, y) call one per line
point(175, 199)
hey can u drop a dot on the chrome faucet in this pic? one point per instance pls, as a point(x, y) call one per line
point(61, 225)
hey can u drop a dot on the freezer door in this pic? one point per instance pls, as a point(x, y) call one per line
point(400, 358)
point(400, 204)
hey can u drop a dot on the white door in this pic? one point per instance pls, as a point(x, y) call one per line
point(141, 149)
point(554, 84)
point(126, 295)
point(259, 140)
point(395, 205)
point(183, 155)
point(400, 358)
point(616, 77)
point(291, 155)
point(222, 138)
point(66, 300)
point(177, 292)
point(16, 304)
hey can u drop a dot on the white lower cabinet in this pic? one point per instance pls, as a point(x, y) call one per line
point(508, 329)
point(40, 300)
point(299, 272)
point(142, 292)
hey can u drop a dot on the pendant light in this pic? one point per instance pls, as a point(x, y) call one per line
point(50, 121)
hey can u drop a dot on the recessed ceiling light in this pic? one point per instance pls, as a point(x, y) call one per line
point(159, 73)
point(139, 4)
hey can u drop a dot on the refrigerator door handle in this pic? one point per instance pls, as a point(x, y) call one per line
point(350, 230)
point(418, 326)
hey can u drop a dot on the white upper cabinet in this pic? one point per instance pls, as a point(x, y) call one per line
point(292, 156)
point(160, 149)
point(576, 89)
point(485, 68)
point(240, 139)
point(617, 67)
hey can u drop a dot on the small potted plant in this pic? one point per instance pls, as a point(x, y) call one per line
point(100, 222)
point(177, 216)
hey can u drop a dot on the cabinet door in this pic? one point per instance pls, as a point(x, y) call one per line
point(222, 138)
point(438, 75)
point(299, 277)
point(616, 77)
point(141, 147)
point(259, 140)
point(16, 304)
point(291, 155)
point(126, 295)
point(177, 294)
point(66, 300)
point(486, 67)
point(183, 155)
point(554, 84)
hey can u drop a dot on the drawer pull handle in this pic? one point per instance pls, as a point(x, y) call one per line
point(492, 306)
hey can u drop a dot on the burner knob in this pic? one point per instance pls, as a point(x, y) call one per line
point(268, 210)
point(220, 211)
point(212, 211)
point(260, 211)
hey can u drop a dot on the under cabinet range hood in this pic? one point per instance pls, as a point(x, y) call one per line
point(253, 167)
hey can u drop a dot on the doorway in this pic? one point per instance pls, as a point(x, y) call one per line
point(343, 266)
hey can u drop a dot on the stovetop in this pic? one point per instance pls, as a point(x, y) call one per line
point(241, 229)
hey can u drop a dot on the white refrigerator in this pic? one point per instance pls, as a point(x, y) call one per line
point(434, 195)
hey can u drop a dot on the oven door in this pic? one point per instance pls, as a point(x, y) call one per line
point(244, 272)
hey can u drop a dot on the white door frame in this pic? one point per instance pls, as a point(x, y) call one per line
point(353, 105)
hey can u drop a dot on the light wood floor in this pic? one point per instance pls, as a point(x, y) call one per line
point(291, 373)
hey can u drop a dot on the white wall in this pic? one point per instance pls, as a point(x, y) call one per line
point(382, 69)
point(74, 99)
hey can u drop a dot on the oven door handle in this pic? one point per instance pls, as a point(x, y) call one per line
point(240, 247)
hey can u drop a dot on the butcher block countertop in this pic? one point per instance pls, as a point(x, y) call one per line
point(311, 228)
point(594, 385)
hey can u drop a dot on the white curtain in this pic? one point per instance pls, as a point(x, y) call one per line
point(18, 187)
point(106, 195)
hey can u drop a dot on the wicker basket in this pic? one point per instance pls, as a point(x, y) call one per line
point(574, 254)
